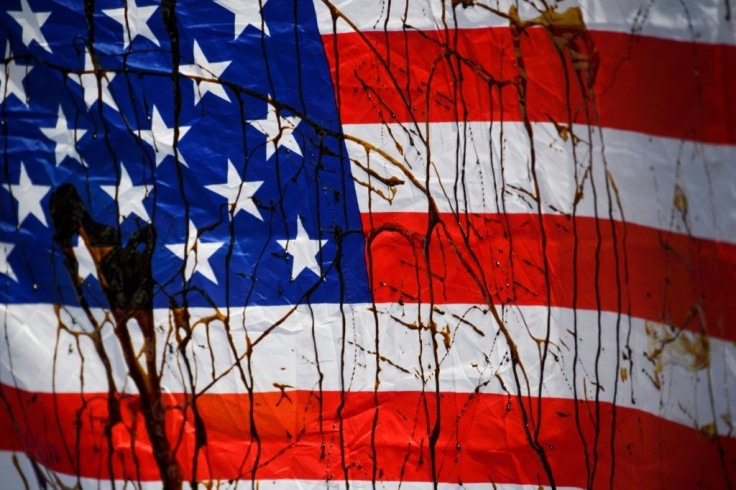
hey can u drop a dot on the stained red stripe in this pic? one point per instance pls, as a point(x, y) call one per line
point(656, 86)
point(662, 276)
point(481, 439)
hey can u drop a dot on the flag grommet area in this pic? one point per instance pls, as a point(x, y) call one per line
point(336, 244)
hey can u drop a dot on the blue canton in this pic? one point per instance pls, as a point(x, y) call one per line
point(225, 142)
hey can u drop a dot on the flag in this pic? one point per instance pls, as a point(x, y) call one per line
point(280, 244)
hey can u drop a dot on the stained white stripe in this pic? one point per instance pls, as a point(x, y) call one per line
point(702, 21)
point(683, 377)
point(683, 186)
point(13, 477)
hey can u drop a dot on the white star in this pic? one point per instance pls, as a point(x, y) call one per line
point(279, 131)
point(246, 14)
point(202, 68)
point(12, 77)
point(85, 262)
point(28, 196)
point(88, 81)
point(161, 138)
point(239, 193)
point(5, 268)
point(128, 196)
point(136, 22)
point(303, 251)
point(197, 254)
point(31, 22)
point(64, 139)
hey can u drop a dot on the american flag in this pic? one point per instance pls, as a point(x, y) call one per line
point(352, 244)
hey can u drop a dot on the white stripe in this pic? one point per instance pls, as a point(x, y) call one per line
point(477, 169)
point(702, 21)
point(12, 479)
point(670, 374)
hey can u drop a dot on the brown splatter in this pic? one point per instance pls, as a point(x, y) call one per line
point(126, 278)
point(680, 201)
point(569, 33)
point(668, 346)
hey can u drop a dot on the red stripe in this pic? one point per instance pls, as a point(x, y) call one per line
point(649, 452)
point(656, 86)
point(664, 276)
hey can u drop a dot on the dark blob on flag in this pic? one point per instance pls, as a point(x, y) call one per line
point(125, 271)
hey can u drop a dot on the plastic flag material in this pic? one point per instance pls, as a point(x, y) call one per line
point(352, 244)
